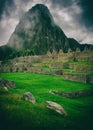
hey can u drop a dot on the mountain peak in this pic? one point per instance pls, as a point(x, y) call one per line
point(38, 32)
point(42, 11)
point(40, 7)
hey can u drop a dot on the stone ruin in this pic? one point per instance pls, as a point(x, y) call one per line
point(53, 59)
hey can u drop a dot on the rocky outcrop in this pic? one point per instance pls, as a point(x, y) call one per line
point(75, 94)
point(55, 106)
point(28, 96)
point(6, 83)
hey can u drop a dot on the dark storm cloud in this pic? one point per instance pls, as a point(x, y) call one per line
point(76, 18)
point(86, 6)
point(87, 14)
point(3, 6)
point(61, 2)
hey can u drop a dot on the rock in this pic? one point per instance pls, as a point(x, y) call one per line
point(29, 97)
point(53, 92)
point(5, 88)
point(11, 84)
point(6, 83)
point(58, 108)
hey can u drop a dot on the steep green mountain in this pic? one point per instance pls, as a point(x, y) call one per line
point(36, 34)
point(73, 44)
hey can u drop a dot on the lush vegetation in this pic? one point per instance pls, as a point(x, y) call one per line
point(5, 51)
point(17, 114)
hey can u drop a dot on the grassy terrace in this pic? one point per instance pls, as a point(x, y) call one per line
point(16, 114)
point(81, 63)
point(46, 68)
point(70, 71)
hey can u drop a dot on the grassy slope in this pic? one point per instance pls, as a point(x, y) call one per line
point(16, 114)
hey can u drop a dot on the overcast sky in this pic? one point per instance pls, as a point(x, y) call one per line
point(75, 17)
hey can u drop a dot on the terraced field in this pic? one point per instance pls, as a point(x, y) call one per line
point(17, 114)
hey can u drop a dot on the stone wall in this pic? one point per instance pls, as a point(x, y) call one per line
point(84, 56)
point(90, 79)
point(81, 68)
point(76, 77)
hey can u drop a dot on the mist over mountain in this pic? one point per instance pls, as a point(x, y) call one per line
point(38, 32)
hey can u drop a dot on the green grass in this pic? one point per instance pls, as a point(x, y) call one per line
point(79, 73)
point(68, 69)
point(17, 114)
point(46, 68)
point(81, 63)
point(71, 71)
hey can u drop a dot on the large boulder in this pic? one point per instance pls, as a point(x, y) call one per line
point(6, 83)
point(58, 108)
point(29, 97)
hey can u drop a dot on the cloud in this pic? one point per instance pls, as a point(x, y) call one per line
point(87, 13)
point(3, 6)
point(69, 18)
point(72, 16)
point(7, 26)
